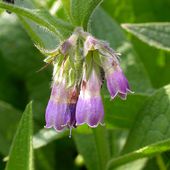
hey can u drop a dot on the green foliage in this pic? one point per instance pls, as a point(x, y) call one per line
point(79, 11)
point(154, 34)
point(21, 152)
point(135, 130)
point(150, 133)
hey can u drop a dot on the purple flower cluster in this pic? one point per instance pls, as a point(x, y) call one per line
point(79, 102)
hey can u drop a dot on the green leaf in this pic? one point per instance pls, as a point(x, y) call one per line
point(143, 152)
point(7, 114)
point(80, 10)
point(22, 53)
point(95, 149)
point(154, 34)
point(121, 114)
point(150, 134)
point(42, 18)
point(45, 136)
point(21, 153)
point(104, 27)
point(87, 148)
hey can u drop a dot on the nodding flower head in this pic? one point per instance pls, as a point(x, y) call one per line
point(75, 97)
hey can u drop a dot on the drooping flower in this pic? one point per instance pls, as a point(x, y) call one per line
point(117, 82)
point(89, 106)
point(75, 97)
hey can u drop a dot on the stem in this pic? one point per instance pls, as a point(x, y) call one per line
point(102, 145)
point(160, 162)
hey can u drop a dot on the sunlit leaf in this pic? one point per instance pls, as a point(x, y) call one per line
point(154, 34)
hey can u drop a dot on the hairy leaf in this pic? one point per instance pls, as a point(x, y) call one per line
point(154, 34)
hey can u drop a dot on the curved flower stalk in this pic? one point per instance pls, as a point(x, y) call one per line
point(75, 97)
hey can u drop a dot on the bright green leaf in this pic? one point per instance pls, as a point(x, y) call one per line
point(45, 136)
point(154, 34)
point(21, 153)
point(147, 151)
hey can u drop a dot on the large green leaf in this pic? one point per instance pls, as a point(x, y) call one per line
point(150, 134)
point(80, 10)
point(58, 27)
point(154, 34)
point(104, 27)
point(42, 37)
point(21, 153)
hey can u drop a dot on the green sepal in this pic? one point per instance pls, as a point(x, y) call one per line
point(89, 64)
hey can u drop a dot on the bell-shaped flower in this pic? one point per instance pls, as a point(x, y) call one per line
point(89, 108)
point(117, 83)
point(60, 111)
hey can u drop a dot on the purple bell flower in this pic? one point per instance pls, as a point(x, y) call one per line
point(117, 83)
point(60, 112)
point(89, 106)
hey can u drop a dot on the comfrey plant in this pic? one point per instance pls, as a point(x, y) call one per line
point(77, 80)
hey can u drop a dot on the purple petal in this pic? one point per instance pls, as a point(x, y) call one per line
point(122, 82)
point(112, 86)
point(89, 111)
point(97, 112)
point(81, 111)
point(56, 115)
point(56, 112)
point(117, 83)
